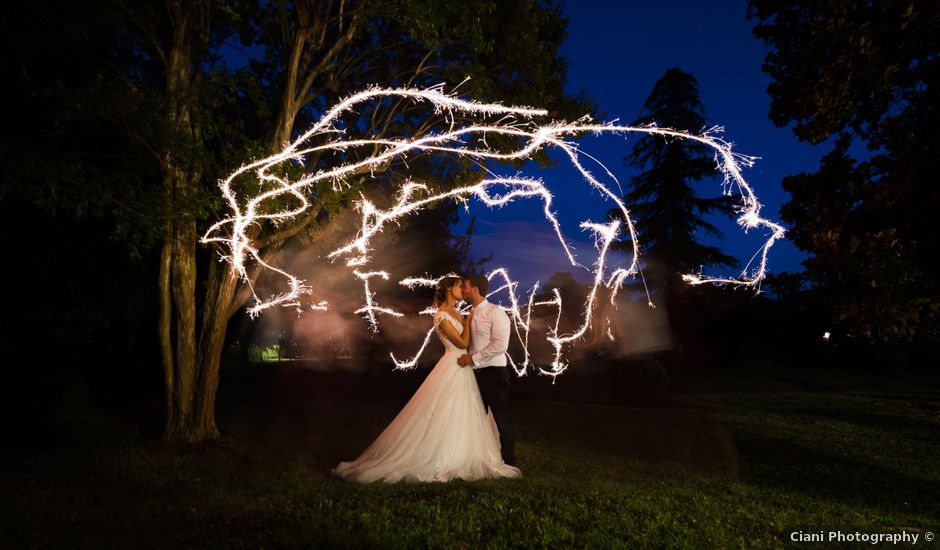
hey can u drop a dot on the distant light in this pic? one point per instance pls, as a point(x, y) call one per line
point(826, 336)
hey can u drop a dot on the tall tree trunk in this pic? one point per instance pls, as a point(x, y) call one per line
point(186, 420)
point(184, 303)
point(192, 366)
point(196, 364)
point(219, 306)
point(192, 363)
point(166, 313)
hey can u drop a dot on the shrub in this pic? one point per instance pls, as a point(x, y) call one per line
point(640, 381)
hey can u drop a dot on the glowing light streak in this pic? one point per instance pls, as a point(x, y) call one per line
point(237, 231)
point(411, 363)
point(606, 234)
point(370, 308)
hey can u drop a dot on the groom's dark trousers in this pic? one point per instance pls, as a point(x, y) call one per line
point(494, 388)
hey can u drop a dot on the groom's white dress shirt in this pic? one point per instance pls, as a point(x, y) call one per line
point(489, 336)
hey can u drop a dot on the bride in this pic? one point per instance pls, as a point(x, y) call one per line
point(442, 433)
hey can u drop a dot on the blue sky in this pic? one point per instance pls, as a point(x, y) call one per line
point(616, 52)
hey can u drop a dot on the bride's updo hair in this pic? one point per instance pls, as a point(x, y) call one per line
point(443, 286)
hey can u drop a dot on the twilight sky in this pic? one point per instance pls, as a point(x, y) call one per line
point(616, 52)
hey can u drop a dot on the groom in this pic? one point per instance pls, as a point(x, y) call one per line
point(489, 339)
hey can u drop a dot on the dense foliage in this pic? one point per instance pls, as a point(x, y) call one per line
point(852, 74)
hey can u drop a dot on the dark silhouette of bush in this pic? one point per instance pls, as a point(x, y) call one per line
point(640, 381)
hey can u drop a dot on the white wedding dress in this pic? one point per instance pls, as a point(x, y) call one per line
point(442, 433)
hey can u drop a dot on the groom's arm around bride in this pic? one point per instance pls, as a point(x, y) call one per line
point(489, 336)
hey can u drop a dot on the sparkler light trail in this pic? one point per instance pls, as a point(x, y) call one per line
point(282, 199)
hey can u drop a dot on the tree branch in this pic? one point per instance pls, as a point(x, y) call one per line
point(291, 229)
point(303, 96)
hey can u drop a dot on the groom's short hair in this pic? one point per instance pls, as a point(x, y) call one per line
point(481, 282)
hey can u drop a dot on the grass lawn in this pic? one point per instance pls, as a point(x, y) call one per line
point(723, 462)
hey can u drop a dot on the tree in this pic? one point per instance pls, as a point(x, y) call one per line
point(320, 51)
point(668, 213)
point(867, 73)
point(76, 174)
point(314, 52)
point(149, 113)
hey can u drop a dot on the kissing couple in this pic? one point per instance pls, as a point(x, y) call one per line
point(457, 424)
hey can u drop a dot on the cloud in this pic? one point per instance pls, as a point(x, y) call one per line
point(531, 250)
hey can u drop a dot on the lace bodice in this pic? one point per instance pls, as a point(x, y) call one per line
point(444, 317)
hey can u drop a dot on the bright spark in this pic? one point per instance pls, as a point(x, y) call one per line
point(237, 231)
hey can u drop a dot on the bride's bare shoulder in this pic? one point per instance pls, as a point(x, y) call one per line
point(441, 313)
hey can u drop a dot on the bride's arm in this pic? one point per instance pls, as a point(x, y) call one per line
point(462, 341)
